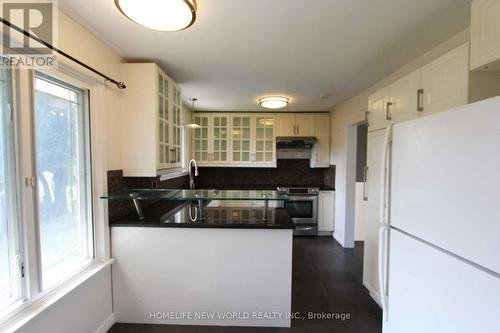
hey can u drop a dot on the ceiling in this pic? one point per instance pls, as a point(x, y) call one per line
point(240, 50)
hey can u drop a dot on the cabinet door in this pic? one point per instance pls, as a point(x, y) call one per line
point(485, 34)
point(326, 211)
point(201, 138)
point(241, 138)
point(372, 226)
point(219, 133)
point(265, 143)
point(446, 81)
point(304, 124)
point(163, 96)
point(404, 98)
point(377, 106)
point(175, 122)
point(321, 151)
point(285, 125)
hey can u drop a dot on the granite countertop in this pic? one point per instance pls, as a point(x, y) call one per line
point(186, 215)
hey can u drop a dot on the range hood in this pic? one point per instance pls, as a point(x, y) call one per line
point(295, 142)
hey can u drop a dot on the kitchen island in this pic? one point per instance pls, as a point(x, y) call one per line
point(203, 265)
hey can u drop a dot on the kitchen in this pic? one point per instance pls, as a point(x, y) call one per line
point(168, 175)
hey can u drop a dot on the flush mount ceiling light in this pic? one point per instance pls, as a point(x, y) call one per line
point(273, 102)
point(160, 15)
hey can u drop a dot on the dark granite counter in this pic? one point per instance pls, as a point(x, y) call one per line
point(187, 215)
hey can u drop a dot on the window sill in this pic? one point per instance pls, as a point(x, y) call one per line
point(27, 311)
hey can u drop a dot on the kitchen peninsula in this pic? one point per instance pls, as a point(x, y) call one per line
point(203, 263)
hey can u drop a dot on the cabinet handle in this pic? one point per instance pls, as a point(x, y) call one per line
point(294, 129)
point(420, 100)
point(388, 110)
point(365, 179)
point(367, 113)
point(298, 130)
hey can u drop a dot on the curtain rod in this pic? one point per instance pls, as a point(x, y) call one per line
point(119, 84)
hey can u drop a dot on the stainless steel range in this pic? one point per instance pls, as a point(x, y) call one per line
point(302, 207)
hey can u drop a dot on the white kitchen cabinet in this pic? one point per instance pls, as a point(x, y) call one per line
point(264, 140)
point(320, 154)
point(304, 124)
point(211, 140)
point(235, 140)
point(485, 35)
point(295, 124)
point(151, 112)
point(326, 212)
point(403, 103)
point(378, 104)
point(438, 86)
point(445, 81)
point(241, 136)
point(285, 124)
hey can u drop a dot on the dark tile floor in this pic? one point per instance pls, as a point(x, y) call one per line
point(326, 278)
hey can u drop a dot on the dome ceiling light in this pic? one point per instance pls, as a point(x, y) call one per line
point(274, 102)
point(160, 15)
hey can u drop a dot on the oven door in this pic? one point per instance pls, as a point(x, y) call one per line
point(303, 210)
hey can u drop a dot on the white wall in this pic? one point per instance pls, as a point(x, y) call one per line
point(89, 306)
point(86, 309)
point(353, 111)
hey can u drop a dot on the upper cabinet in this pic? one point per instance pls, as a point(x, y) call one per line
point(151, 113)
point(485, 35)
point(320, 154)
point(440, 85)
point(445, 81)
point(244, 140)
point(378, 114)
point(290, 124)
point(211, 139)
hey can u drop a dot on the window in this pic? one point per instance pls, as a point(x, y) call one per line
point(10, 273)
point(63, 178)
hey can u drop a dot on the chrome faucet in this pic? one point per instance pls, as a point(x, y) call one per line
point(191, 176)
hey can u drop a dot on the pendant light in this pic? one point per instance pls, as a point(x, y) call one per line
point(192, 125)
point(160, 15)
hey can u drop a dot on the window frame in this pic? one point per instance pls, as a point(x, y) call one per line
point(85, 129)
point(34, 299)
point(16, 227)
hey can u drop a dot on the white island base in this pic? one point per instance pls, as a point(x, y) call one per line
point(202, 276)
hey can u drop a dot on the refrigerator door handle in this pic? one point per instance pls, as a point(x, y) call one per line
point(382, 268)
point(384, 177)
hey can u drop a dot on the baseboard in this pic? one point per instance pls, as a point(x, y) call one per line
point(107, 324)
point(373, 294)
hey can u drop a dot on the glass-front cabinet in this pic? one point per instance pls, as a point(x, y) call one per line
point(239, 139)
point(265, 139)
point(169, 122)
point(175, 150)
point(201, 149)
point(220, 139)
point(211, 139)
point(151, 121)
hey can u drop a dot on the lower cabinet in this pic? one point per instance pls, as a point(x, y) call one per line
point(326, 212)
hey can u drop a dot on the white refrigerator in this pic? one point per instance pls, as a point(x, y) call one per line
point(439, 253)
